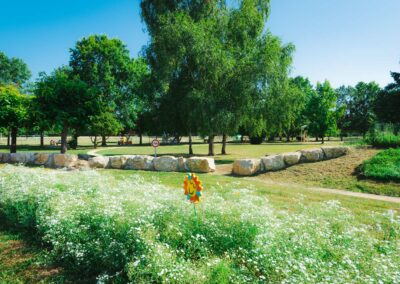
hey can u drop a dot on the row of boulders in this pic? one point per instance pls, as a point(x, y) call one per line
point(248, 167)
point(128, 162)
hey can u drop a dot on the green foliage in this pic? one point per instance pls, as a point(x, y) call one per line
point(321, 110)
point(118, 230)
point(213, 63)
point(387, 104)
point(384, 165)
point(13, 107)
point(66, 101)
point(13, 112)
point(105, 65)
point(383, 139)
point(13, 70)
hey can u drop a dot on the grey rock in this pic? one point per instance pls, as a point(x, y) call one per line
point(273, 162)
point(201, 164)
point(291, 158)
point(166, 164)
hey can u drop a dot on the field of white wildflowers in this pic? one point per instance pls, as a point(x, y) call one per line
point(106, 229)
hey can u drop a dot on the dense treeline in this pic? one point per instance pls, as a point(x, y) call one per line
point(209, 69)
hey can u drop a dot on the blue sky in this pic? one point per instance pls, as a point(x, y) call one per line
point(344, 41)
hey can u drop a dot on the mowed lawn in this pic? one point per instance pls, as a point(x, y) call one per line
point(234, 150)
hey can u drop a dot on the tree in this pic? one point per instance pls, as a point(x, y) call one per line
point(13, 71)
point(67, 101)
point(360, 106)
point(104, 124)
point(212, 60)
point(105, 65)
point(321, 110)
point(387, 104)
point(13, 112)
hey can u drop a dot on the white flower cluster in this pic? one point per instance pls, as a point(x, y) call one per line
point(124, 227)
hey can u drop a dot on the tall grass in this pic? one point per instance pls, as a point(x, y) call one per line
point(383, 136)
point(383, 166)
point(104, 229)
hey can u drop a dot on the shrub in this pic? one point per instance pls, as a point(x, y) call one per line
point(120, 230)
point(383, 140)
point(255, 140)
point(383, 166)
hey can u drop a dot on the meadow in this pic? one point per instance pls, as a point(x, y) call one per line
point(119, 226)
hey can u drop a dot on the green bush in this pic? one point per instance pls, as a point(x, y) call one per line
point(383, 140)
point(127, 230)
point(383, 166)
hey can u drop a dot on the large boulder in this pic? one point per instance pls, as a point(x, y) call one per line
point(21, 158)
point(64, 160)
point(182, 165)
point(312, 155)
point(81, 165)
point(246, 167)
point(99, 162)
point(332, 152)
point(291, 158)
point(201, 165)
point(118, 162)
point(273, 162)
point(4, 157)
point(139, 162)
point(43, 159)
point(166, 164)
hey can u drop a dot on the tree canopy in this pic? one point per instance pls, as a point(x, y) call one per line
point(13, 71)
point(213, 62)
point(65, 100)
point(13, 112)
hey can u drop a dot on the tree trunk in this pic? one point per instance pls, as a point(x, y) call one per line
point(64, 135)
point(316, 138)
point(75, 137)
point(42, 139)
point(13, 146)
point(140, 139)
point(103, 141)
point(323, 139)
point(190, 144)
point(223, 151)
point(211, 145)
point(95, 142)
point(288, 138)
point(8, 139)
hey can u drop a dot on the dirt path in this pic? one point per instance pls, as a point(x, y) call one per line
point(331, 190)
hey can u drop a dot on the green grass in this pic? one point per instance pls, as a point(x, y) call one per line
point(384, 140)
point(235, 151)
point(22, 262)
point(383, 166)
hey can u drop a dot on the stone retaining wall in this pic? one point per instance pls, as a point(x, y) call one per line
point(249, 167)
point(126, 162)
